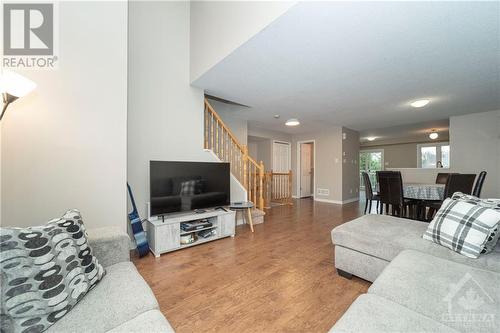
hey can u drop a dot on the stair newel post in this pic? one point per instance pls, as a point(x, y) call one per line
point(261, 186)
point(245, 168)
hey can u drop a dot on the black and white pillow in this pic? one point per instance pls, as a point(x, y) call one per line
point(200, 187)
point(462, 227)
point(188, 187)
point(494, 236)
point(489, 203)
point(45, 271)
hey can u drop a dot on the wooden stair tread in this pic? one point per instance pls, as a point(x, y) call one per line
point(257, 212)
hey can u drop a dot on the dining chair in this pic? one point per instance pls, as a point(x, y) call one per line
point(441, 178)
point(455, 183)
point(369, 195)
point(391, 193)
point(459, 183)
point(479, 184)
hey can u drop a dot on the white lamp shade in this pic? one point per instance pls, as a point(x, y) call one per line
point(433, 136)
point(15, 84)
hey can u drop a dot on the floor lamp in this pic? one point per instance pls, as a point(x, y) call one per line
point(13, 86)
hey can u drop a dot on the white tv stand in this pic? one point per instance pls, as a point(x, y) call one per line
point(164, 234)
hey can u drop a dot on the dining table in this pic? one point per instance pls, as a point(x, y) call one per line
point(421, 191)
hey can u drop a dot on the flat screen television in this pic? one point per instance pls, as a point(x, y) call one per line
point(186, 186)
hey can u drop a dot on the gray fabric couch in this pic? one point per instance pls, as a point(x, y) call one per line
point(418, 286)
point(122, 301)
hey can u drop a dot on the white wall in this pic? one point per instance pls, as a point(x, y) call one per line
point(265, 146)
point(227, 112)
point(474, 142)
point(219, 27)
point(328, 159)
point(64, 145)
point(402, 155)
point(273, 135)
point(350, 167)
point(165, 114)
point(333, 171)
point(419, 175)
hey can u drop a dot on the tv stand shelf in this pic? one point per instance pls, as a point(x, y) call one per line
point(190, 232)
point(164, 233)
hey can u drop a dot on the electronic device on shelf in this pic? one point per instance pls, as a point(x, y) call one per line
point(188, 238)
point(207, 233)
point(195, 225)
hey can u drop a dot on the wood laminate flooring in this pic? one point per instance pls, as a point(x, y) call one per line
point(281, 278)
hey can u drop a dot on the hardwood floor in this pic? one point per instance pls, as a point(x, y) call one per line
point(279, 279)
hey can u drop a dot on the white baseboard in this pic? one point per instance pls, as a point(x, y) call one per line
point(350, 200)
point(337, 202)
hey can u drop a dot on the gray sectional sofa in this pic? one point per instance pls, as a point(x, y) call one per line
point(122, 301)
point(418, 286)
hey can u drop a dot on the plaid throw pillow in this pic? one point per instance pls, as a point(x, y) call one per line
point(489, 203)
point(188, 187)
point(462, 227)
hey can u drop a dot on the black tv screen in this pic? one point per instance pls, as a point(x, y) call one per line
point(185, 186)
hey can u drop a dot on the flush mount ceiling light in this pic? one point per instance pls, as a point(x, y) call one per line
point(433, 135)
point(292, 122)
point(371, 138)
point(276, 116)
point(420, 103)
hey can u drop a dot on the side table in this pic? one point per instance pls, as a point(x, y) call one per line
point(243, 207)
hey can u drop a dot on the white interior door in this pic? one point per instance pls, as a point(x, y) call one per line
point(306, 169)
point(281, 156)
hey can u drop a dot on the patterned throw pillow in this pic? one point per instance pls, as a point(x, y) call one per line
point(462, 227)
point(188, 187)
point(45, 271)
point(200, 186)
point(489, 203)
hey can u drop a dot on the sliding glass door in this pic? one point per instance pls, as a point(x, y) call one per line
point(370, 161)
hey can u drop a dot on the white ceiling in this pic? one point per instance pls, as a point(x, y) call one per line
point(359, 64)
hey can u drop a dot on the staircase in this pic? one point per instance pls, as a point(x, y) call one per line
point(223, 143)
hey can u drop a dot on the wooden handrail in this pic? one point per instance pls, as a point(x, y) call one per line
point(221, 140)
point(262, 187)
point(223, 125)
